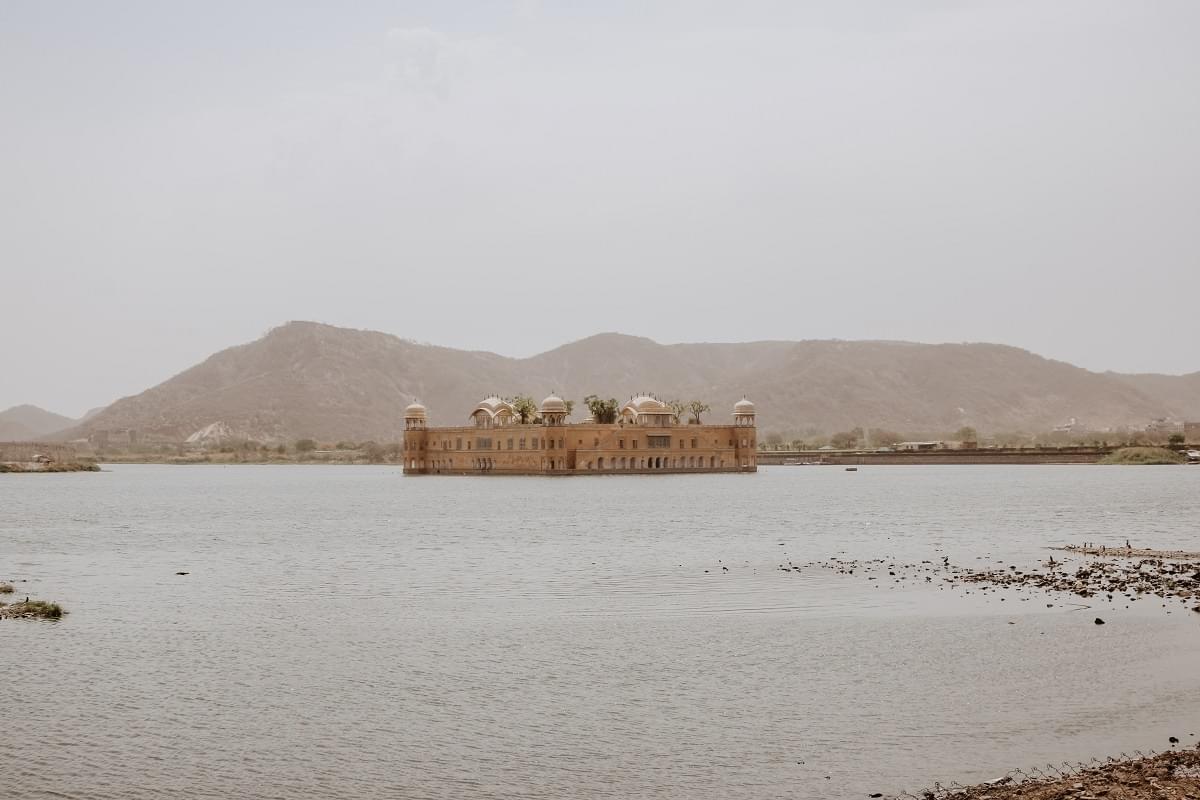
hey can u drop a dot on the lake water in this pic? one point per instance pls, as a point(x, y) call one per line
point(348, 632)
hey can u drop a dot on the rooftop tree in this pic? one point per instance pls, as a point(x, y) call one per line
point(524, 407)
point(603, 411)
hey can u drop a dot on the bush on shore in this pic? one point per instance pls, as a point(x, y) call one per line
point(1143, 455)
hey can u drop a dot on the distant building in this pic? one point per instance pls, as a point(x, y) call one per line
point(916, 446)
point(1164, 425)
point(113, 436)
point(1191, 432)
point(1070, 426)
point(646, 438)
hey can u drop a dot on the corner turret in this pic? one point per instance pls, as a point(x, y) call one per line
point(743, 413)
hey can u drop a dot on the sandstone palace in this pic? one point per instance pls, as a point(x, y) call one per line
point(645, 436)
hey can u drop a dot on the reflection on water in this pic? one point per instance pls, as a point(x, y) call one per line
point(346, 631)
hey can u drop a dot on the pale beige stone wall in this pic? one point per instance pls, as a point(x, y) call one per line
point(580, 449)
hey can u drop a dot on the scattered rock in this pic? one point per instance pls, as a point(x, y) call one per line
point(1126, 552)
point(1175, 773)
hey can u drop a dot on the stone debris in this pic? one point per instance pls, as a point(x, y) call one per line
point(1092, 549)
point(1168, 775)
point(1168, 580)
point(1109, 581)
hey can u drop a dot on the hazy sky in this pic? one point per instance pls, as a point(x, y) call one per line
point(176, 178)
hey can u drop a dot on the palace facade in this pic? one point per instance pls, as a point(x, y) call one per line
point(646, 438)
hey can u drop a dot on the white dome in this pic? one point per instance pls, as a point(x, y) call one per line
point(414, 410)
point(494, 410)
point(554, 405)
point(743, 406)
point(644, 404)
point(492, 405)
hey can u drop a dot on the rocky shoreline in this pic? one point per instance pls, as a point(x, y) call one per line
point(1130, 575)
point(1174, 774)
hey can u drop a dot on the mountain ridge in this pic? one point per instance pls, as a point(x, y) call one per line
point(315, 380)
point(27, 422)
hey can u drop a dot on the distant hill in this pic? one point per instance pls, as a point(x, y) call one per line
point(1178, 392)
point(26, 423)
point(307, 379)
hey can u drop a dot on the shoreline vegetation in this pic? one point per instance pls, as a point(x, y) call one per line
point(70, 466)
point(1144, 455)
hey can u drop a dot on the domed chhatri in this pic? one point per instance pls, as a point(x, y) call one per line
point(554, 405)
point(554, 411)
point(743, 413)
point(643, 436)
point(415, 417)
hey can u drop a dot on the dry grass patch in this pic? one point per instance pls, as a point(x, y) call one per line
point(31, 609)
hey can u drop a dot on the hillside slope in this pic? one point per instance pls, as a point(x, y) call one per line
point(25, 423)
point(307, 379)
